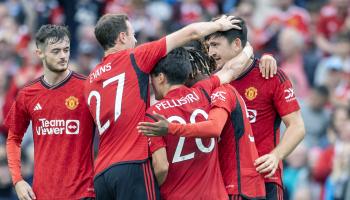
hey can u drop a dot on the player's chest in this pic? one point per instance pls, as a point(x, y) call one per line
point(58, 104)
point(258, 100)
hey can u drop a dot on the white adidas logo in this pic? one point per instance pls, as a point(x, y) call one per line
point(37, 107)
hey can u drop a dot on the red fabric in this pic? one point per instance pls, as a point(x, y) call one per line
point(323, 166)
point(13, 146)
point(119, 139)
point(63, 135)
point(237, 150)
point(267, 101)
point(211, 128)
point(294, 17)
point(330, 23)
point(194, 171)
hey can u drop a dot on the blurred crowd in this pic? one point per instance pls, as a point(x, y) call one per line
point(309, 39)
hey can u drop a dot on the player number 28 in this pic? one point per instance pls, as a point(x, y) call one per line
point(177, 156)
point(118, 101)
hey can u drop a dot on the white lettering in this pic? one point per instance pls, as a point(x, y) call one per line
point(100, 71)
point(57, 127)
point(189, 98)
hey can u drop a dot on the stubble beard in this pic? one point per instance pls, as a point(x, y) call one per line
point(53, 69)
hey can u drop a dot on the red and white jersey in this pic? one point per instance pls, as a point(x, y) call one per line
point(63, 132)
point(237, 150)
point(267, 101)
point(117, 92)
point(330, 23)
point(194, 171)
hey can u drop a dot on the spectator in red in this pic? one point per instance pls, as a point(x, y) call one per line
point(287, 15)
point(334, 18)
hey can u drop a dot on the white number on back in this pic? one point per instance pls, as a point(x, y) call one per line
point(177, 155)
point(118, 101)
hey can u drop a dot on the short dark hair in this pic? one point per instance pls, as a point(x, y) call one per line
point(175, 66)
point(232, 34)
point(108, 28)
point(51, 33)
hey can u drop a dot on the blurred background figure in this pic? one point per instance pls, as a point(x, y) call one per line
point(311, 40)
point(316, 115)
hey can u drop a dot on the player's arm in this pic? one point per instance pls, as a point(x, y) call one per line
point(160, 164)
point(293, 135)
point(13, 145)
point(239, 64)
point(198, 30)
point(236, 66)
point(211, 128)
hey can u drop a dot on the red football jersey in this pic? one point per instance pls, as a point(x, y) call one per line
point(267, 101)
point(63, 132)
point(237, 151)
point(194, 171)
point(117, 94)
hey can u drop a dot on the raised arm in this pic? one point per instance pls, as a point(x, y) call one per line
point(236, 66)
point(198, 30)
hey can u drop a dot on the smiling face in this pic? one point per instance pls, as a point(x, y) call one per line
point(55, 54)
point(222, 51)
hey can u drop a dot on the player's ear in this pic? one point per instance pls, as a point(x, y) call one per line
point(39, 52)
point(122, 37)
point(161, 77)
point(236, 44)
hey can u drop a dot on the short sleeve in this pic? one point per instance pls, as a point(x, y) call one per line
point(224, 97)
point(208, 84)
point(18, 118)
point(147, 55)
point(154, 143)
point(284, 97)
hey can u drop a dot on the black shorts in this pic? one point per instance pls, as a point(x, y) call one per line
point(240, 197)
point(129, 181)
point(274, 191)
point(235, 197)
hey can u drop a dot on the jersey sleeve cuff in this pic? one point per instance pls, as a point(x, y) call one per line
point(153, 148)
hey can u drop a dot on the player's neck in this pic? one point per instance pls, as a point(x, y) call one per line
point(114, 49)
point(172, 87)
point(53, 78)
point(249, 63)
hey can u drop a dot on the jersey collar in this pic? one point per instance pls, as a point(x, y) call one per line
point(51, 87)
point(250, 68)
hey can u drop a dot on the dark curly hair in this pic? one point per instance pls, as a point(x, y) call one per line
point(200, 59)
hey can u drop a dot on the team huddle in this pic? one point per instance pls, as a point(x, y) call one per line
point(213, 133)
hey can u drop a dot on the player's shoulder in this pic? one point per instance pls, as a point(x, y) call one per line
point(30, 85)
point(280, 76)
point(223, 91)
point(224, 88)
point(78, 76)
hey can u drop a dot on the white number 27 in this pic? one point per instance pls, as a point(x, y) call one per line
point(118, 101)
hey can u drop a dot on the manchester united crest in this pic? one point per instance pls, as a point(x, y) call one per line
point(72, 102)
point(251, 93)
